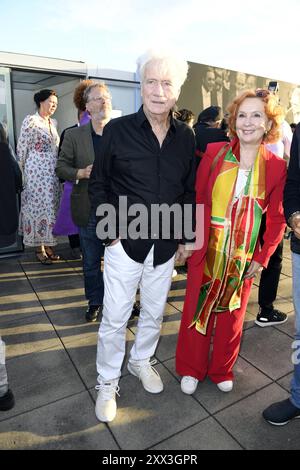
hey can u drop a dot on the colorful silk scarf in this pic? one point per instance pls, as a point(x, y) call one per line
point(231, 242)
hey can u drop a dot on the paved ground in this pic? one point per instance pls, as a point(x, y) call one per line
point(51, 354)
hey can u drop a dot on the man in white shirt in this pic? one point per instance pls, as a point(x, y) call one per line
point(208, 96)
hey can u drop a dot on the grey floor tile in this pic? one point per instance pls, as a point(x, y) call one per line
point(41, 378)
point(15, 287)
point(66, 316)
point(20, 311)
point(252, 306)
point(289, 326)
point(244, 421)
point(56, 281)
point(83, 351)
point(284, 305)
point(247, 380)
point(29, 335)
point(287, 268)
point(249, 320)
point(207, 435)
point(168, 340)
point(285, 288)
point(268, 350)
point(10, 265)
point(178, 304)
point(144, 418)
point(66, 424)
point(285, 382)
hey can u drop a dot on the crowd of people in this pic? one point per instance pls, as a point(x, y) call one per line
point(233, 164)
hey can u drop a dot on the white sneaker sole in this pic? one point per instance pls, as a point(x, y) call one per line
point(224, 389)
point(190, 392)
point(136, 375)
point(272, 323)
point(282, 424)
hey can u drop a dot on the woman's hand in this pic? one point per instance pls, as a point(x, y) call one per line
point(253, 270)
point(183, 253)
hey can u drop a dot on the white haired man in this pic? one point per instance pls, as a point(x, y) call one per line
point(149, 157)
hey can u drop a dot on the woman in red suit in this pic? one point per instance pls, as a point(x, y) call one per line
point(236, 182)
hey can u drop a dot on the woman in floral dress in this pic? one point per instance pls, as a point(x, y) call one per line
point(37, 152)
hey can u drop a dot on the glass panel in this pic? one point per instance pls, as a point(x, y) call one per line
point(6, 119)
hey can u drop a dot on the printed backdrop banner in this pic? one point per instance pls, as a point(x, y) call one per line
point(208, 86)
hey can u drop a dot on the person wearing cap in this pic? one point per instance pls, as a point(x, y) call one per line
point(207, 130)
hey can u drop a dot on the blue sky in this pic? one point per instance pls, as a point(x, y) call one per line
point(260, 37)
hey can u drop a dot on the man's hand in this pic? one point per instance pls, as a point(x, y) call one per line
point(84, 173)
point(295, 224)
point(253, 270)
point(183, 253)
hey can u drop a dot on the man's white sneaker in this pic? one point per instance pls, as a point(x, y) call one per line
point(189, 384)
point(225, 386)
point(149, 377)
point(106, 407)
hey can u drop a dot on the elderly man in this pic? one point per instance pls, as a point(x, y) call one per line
point(76, 157)
point(148, 157)
point(282, 412)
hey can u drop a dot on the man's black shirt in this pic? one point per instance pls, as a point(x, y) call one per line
point(97, 138)
point(131, 163)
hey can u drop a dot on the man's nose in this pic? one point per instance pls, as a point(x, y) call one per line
point(158, 89)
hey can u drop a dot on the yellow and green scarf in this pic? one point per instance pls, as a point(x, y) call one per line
point(231, 243)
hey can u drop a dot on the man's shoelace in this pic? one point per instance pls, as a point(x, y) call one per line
point(108, 391)
point(148, 368)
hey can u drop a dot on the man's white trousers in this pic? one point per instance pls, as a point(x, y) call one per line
point(122, 276)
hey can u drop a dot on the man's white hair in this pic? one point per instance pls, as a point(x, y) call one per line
point(175, 66)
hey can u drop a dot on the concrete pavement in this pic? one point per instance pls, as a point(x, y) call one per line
point(51, 353)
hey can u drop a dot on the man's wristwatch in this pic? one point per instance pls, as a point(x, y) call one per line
point(107, 242)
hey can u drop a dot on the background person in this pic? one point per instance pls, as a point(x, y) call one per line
point(37, 153)
point(185, 115)
point(10, 184)
point(76, 157)
point(269, 280)
point(235, 182)
point(7, 400)
point(282, 412)
point(207, 130)
point(64, 224)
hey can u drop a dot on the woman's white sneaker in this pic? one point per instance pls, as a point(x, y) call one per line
point(189, 384)
point(225, 386)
